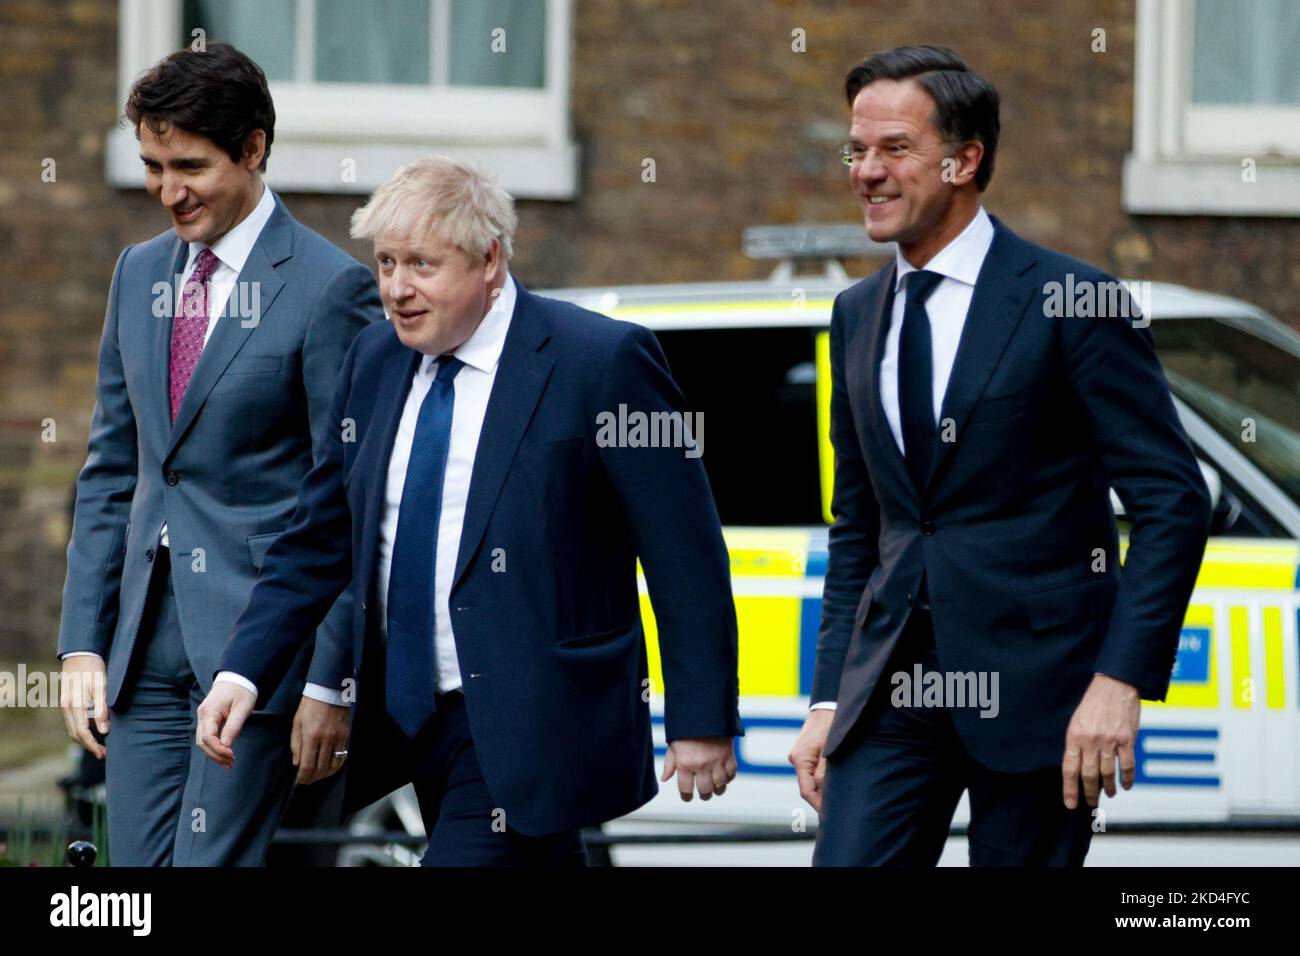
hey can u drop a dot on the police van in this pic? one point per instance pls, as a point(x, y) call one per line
point(754, 359)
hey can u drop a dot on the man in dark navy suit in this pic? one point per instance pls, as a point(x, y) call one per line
point(492, 533)
point(978, 634)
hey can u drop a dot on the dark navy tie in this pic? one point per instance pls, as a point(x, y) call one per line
point(411, 679)
point(916, 377)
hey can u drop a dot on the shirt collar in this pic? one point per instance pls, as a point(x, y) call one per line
point(234, 248)
point(482, 350)
point(960, 259)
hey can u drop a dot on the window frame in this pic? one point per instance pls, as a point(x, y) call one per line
point(522, 135)
point(1178, 165)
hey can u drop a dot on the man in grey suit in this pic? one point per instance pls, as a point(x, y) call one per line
point(222, 341)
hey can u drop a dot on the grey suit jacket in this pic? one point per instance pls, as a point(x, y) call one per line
point(224, 478)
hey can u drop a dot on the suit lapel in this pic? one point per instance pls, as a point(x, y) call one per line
point(996, 309)
point(273, 246)
point(167, 271)
point(879, 308)
point(376, 449)
point(521, 376)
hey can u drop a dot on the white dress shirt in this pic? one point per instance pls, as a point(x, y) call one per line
point(472, 385)
point(959, 263)
point(232, 252)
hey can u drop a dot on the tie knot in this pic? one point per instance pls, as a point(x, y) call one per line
point(448, 366)
point(204, 266)
point(920, 285)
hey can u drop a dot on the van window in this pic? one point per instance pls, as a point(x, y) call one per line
point(757, 389)
point(1246, 389)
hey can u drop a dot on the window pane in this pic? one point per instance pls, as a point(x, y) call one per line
point(263, 29)
point(760, 419)
point(498, 43)
point(385, 41)
point(1246, 53)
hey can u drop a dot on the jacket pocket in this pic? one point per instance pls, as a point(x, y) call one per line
point(546, 449)
point(598, 644)
point(994, 408)
point(258, 544)
point(1071, 604)
point(252, 364)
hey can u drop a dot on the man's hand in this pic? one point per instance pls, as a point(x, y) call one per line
point(1104, 725)
point(706, 764)
point(221, 718)
point(806, 755)
point(319, 731)
point(83, 694)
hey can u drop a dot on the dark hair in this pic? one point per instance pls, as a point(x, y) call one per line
point(218, 93)
point(965, 103)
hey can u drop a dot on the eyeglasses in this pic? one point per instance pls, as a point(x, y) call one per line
point(853, 154)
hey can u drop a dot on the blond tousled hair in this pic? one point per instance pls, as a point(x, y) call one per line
point(438, 196)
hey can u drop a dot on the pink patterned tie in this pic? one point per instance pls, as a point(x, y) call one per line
point(190, 327)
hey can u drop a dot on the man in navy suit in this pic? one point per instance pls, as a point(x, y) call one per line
point(491, 533)
point(977, 633)
point(222, 341)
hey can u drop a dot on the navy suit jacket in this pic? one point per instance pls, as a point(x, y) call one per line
point(551, 650)
point(1048, 413)
point(225, 476)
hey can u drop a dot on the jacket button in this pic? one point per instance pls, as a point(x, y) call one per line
point(173, 478)
point(927, 527)
point(148, 554)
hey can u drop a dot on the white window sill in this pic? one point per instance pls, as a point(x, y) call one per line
point(321, 166)
point(1209, 188)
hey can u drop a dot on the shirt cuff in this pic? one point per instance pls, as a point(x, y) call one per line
point(824, 705)
point(327, 695)
point(233, 678)
point(80, 654)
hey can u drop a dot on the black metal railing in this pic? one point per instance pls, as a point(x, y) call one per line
point(599, 842)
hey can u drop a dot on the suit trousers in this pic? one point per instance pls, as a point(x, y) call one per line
point(892, 788)
point(169, 804)
point(464, 824)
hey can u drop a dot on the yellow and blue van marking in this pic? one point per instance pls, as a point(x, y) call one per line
point(777, 577)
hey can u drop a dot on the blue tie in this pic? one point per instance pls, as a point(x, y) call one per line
point(916, 377)
point(411, 678)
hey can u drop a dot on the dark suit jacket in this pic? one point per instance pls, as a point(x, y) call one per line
point(225, 476)
point(1049, 412)
point(551, 651)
